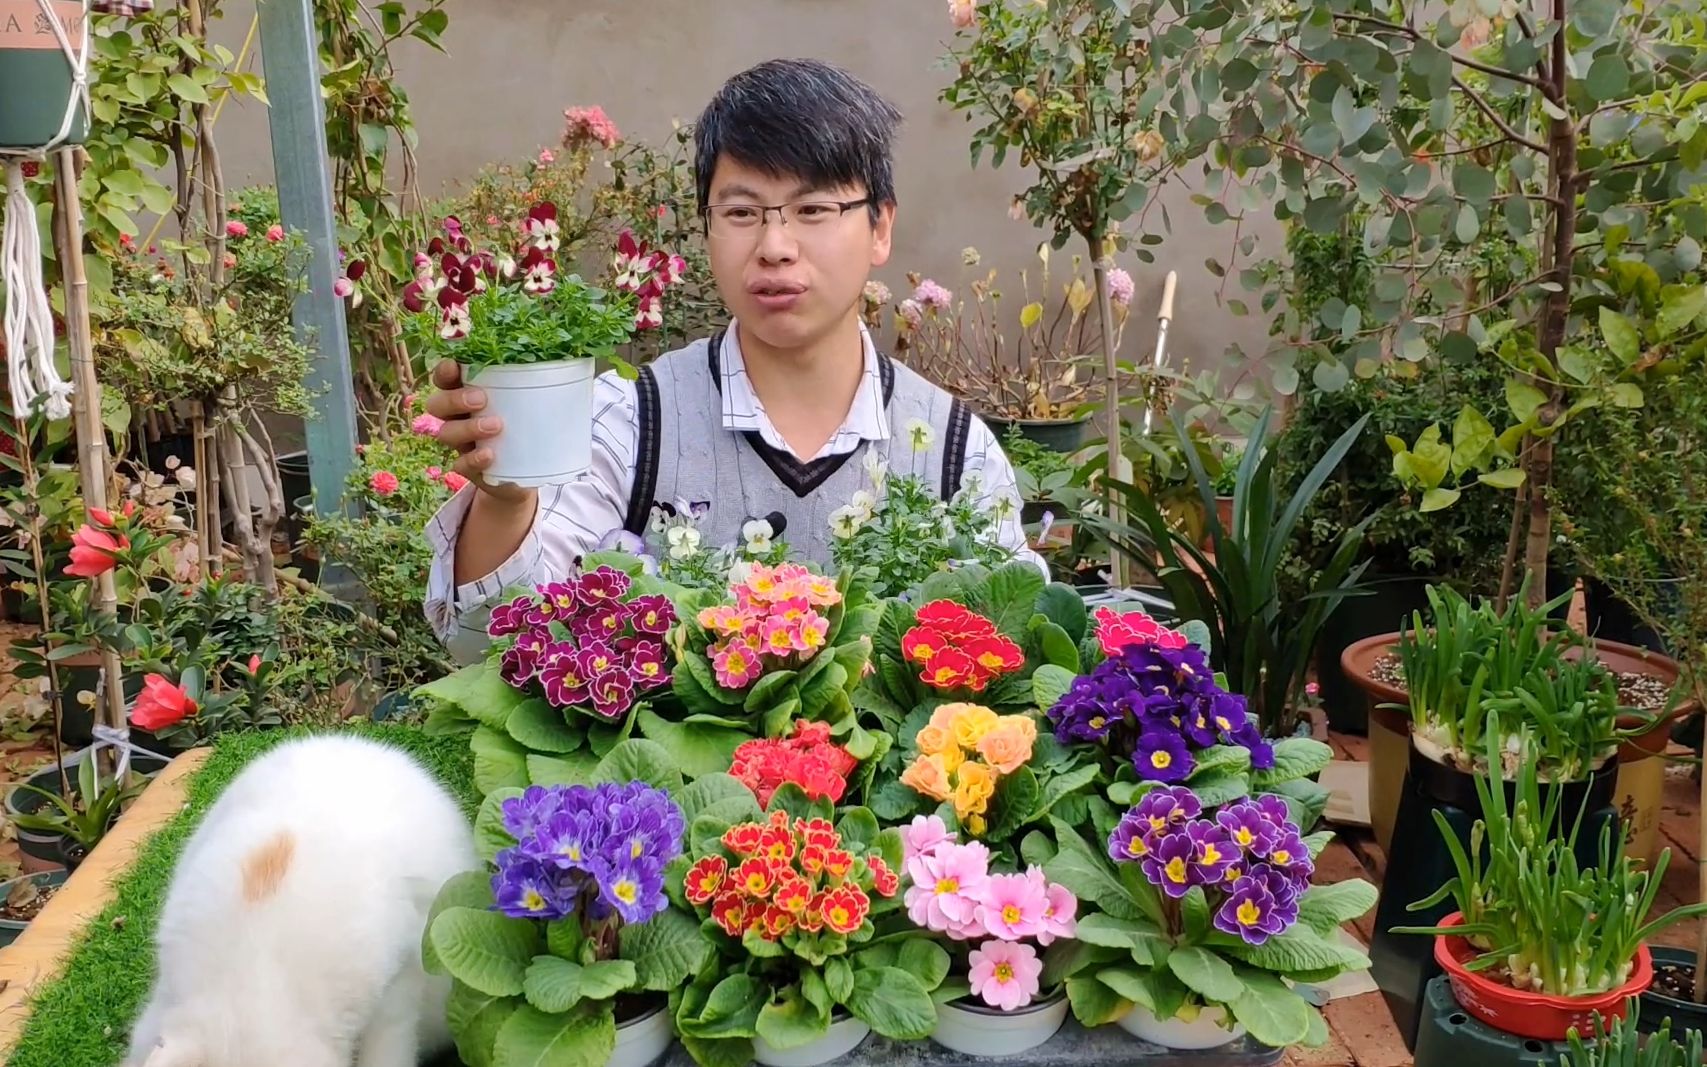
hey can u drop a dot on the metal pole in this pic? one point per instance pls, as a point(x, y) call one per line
point(290, 54)
point(86, 403)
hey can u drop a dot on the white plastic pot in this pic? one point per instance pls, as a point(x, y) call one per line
point(640, 1041)
point(1208, 1030)
point(547, 410)
point(973, 1028)
point(842, 1038)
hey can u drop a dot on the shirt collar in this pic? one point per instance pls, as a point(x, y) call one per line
point(867, 417)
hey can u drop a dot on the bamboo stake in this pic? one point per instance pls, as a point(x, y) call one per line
point(86, 405)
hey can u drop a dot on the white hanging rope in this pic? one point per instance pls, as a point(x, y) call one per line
point(31, 372)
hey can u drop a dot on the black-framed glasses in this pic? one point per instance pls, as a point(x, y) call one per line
point(738, 219)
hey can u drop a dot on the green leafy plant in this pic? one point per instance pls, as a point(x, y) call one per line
point(1474, 667)
point(547, 953)
point(797, 940)
point(900, 532)
point(1621, 1043)
point(1537, 919)
point(1173, 934)
point(83, 813)
point(1261, 639)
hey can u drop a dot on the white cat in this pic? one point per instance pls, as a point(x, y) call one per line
point(291, 934)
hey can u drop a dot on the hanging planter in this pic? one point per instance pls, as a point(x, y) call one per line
point(39, 86)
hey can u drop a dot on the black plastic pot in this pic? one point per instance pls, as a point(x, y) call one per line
point(76, 716)
point(1383, 610)
point(1449, 1037)
point(10, 929)
point(1611, 618)
point(1656, 1007)
point(47, 851)
point(1420, 863)
point(1057, 435)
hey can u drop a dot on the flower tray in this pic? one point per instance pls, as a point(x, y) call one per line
point(1526, 1014)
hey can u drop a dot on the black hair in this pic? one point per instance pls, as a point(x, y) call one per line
point(800, 118)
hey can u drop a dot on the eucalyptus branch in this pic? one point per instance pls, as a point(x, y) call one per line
point(1463, 61)
point(1496, 118)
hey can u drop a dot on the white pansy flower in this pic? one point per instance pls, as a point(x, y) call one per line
point(876, 469)
point(920, 434)
point(684, 541)
point(845, 522)
point(1004, 506)
point(863, 503)
point(739, 572)
point(757, 533)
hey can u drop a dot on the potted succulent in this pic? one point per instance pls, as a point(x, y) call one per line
point(565, 942)
point(1203, 920)
point(1003, 996)
point(1542, 943)
point(792, 900)
point(529, 336)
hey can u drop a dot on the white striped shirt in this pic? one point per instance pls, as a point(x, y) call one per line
point(575, 516)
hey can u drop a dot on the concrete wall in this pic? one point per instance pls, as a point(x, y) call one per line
point(515, 64)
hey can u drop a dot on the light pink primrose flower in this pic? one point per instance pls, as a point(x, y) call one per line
point(923, 835)
point(946, 885)
point(1005, 974)
point(1012, 906)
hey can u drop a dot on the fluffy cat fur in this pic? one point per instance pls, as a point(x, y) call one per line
point(291, 933)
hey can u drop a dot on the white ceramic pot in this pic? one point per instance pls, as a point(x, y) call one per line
point(973, 1028)
point(842, 1038)
point(639, 1042)
point(1208, 1030)
point(547, 410)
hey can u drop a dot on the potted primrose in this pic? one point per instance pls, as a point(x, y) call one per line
point(566, 942)
point(1540, 943)
point(529, 336)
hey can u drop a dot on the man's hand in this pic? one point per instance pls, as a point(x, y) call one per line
point(466, 430)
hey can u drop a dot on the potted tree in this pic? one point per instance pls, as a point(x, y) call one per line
point(530, 336)
point(1541, 943)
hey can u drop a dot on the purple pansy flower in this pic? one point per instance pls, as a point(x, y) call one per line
point(1169, 863)
point(523, 888)
point(1130, 840)
point(1290, 854)
point(1162, 756)
point(1212, 852)
point(1250, 912)
point(632, 887)
point(1249, 828)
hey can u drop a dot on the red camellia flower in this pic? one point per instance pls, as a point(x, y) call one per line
point(959, 649)
point(93, 551)
point(161, 704)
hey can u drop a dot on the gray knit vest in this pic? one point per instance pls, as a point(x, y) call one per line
point(686, 454)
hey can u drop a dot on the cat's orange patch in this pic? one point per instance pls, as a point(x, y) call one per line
point(264, 869)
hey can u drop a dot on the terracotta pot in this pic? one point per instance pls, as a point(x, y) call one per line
point(1526, 1014)
point(1641, 771)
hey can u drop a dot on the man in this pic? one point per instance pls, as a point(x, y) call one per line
point(793, 169)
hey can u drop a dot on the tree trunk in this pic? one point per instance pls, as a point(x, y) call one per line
point(1111, 385)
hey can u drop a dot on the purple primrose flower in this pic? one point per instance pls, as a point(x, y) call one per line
point(1169, 863)
point(1250, 912)
point(1162, 756)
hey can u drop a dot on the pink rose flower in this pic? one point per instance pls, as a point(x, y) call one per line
point(589, 124)
point(275, 233)
point(383, 482)
point(236, 228)
point(1005, 974)
point(454, 481)
point(427, 425)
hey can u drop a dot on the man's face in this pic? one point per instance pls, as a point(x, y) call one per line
point(791, 285)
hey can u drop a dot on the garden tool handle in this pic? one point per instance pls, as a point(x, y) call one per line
point(1167, 312)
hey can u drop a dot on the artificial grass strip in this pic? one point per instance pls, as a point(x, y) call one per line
point(83, 1019)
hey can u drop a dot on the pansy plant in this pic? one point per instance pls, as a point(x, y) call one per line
point(571, 666)
point(793, 901)
point(779, 644)
point(1197, 907)
point(1157, 714)
point(567, 923)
